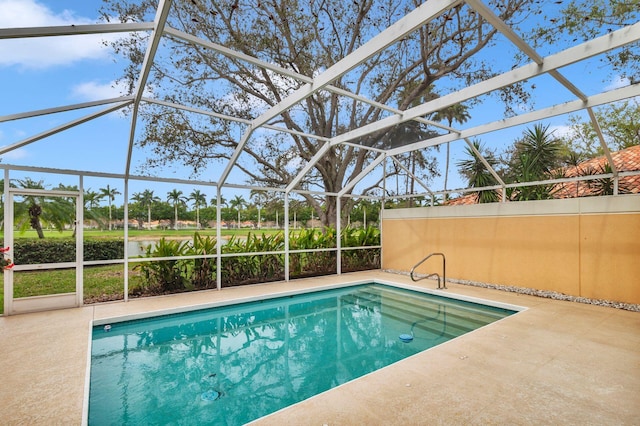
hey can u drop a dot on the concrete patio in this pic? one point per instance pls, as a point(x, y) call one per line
point(557, 362)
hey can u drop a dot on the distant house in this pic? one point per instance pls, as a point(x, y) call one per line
point(626, 160)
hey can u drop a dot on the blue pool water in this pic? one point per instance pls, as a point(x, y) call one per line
point(230, 365)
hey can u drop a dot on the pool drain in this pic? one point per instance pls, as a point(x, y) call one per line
point(210, 395)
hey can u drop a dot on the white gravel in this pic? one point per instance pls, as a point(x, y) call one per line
point(540, 293)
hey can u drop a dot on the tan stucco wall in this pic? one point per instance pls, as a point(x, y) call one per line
point(584, 247)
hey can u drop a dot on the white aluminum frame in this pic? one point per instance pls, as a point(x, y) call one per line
point(159, 28)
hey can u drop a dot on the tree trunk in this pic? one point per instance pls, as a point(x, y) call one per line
point(34, 214)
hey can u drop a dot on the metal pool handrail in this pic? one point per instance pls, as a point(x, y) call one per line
point(444, 269)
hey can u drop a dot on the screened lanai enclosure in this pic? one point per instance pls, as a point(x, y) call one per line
point(294, 120)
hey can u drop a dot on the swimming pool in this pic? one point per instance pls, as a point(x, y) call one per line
point(233, 364)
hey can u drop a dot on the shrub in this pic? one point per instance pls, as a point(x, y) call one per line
point(33, 251)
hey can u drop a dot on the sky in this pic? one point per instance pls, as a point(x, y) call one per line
point(48, 72)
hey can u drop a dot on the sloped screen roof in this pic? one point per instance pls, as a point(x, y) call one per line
point(291, 103)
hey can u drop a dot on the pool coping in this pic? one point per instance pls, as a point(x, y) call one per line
point(558, 362)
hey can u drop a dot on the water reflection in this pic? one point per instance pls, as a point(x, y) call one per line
point(234, 364)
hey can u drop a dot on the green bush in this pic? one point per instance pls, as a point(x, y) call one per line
point(103, 249)
point(32, 251)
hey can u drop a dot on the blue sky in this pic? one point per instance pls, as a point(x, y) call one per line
point(49, 72)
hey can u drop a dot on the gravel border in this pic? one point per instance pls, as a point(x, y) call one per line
point(539, 293)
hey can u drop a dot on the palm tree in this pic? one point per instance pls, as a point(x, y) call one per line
point(295, 206)
point(175, 197)
point(276, 204)
point(199, 200)
point(237, 203)
point(146, 199)
point(458, 113)
point(214, 201)
point(110, 194)
point(91, 201)
point(91, 198)
point(477, 174)
point(57, 211)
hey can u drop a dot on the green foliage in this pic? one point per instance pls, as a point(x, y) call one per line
point(256, 258)
point(477, 174)
point(620, 126)
point(313, 263)
point(360, 259)
point(32, 252)
point(203, 273)
point(103, 249)
point(165, 275)
point(253, 268)
point(536, 155)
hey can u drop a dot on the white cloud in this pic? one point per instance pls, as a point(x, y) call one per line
point(617, 83)
point(16, 154)
point(561, 131)
point(44, 52)
point(93, 90)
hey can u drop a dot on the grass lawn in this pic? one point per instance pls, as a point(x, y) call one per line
point(100, 283)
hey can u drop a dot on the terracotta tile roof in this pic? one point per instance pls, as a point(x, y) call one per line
point(626, 160)
point(465, 200)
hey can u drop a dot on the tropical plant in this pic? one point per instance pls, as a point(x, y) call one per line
point(477, 174)
point(360, 259)
point(259, 198)
point(203, 272)
point(317, 261)
point(162, 276)
point(253, 268)
point(601, 185)
point(91, 199)
point(534, 158)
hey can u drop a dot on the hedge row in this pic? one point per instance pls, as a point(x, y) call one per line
point(30, 252)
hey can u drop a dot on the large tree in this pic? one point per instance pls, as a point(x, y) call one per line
point(620, 126)
point(307, 37)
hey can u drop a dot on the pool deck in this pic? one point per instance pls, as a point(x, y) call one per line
point(557, 362)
